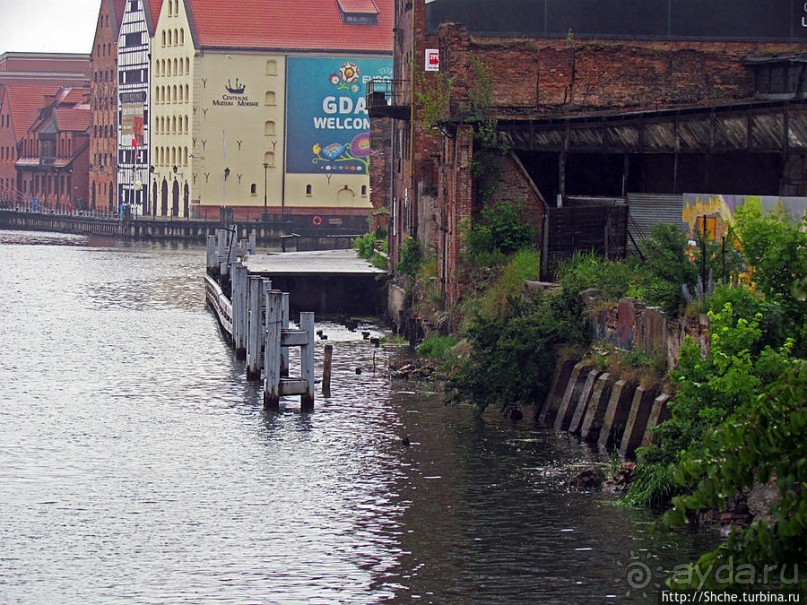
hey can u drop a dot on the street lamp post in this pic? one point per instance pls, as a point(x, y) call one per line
point(265, 203)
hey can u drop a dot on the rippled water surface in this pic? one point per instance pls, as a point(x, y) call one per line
point(137, 464)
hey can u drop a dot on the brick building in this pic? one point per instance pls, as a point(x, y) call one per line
point(555, 69)
point(25, 81)
point(104, 86)
point(53, 158)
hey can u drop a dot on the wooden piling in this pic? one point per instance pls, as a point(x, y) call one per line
point(255, 336)
point(271, 350)
point(307, 361)
point(240, 310)
point(326, 371)
point(284, 318)
point(212, 258)
point(252, 242)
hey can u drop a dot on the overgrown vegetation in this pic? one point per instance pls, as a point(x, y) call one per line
point(739, 407)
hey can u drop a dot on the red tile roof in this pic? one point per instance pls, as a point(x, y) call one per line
point(25, 103)
point(153, 8)
point(73, 119)
point(119, 6)
point(288, 25)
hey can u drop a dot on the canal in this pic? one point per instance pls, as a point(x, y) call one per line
point(138, 466)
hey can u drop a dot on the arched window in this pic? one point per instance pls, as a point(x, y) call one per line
point(163, 37)
point(181, 36)
point(269, 127)
point(253, 189)
point(308, 190)
point(176, 37)
point(271, 98)
point(269, 158)
point(271, 67)
point(185, 156)
point(364, 190)
point(176, 67)
point(187, 93)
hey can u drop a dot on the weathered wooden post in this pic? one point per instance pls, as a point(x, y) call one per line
point(252, 242)
point(284, 317)
point(221, 249)
point(240, 310)
point(307, 360)
point(271, 356)
point(212, 259)
point(326, 371)
point(255, 335)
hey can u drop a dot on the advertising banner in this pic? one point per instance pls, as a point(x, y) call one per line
point(328, 127)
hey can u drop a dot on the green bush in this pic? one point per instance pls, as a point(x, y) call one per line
point(513, 354)
point(365, 245)
point(503, 229)
point(711, 390)
point(410, 257)
point(768, 445)
point(438, 348)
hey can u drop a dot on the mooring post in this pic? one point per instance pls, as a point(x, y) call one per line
point(326, 371)
point(255, 336)
point(240, 310)
point(252, 242)
point(284, 318)
point(271, 354)
point(307, 360)
point(221, 249)
point(212, 261)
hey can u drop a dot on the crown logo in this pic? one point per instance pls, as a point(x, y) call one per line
point(238, 89)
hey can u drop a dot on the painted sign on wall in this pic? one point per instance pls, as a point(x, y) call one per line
point(328, 127)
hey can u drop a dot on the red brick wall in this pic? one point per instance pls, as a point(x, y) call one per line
point(103, 132)
point(543, 76)
point(380, 165)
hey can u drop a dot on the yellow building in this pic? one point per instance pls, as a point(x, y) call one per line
point(264, 113)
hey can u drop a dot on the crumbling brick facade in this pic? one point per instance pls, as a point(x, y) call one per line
point(533, 78)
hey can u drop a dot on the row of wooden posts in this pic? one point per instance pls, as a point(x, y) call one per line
point(260, 330)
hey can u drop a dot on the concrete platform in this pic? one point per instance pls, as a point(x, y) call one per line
point(328, 282)
point(322, 262)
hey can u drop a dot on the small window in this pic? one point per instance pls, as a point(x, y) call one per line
point(269, 127)
point(308, 190)
point(364, 190)
point(271, 98)
point(269, 159)
point(271, 67)
point(253, 189)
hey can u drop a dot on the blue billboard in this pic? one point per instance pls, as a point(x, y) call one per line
point(328, 127)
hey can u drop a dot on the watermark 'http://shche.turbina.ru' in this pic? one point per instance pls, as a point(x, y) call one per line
point(768, 584)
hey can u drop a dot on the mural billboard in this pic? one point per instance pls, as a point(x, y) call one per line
point(714, 213)
point(328, 127)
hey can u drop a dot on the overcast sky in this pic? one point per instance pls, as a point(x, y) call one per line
point(63, 26)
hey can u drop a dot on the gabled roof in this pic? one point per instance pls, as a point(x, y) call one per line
point(118, 8)
point(152, 10)
point(312, 25)
point(25, 103)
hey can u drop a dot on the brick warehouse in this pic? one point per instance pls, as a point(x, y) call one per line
point(565, 74)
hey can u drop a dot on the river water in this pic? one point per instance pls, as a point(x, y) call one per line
point(138, 466)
